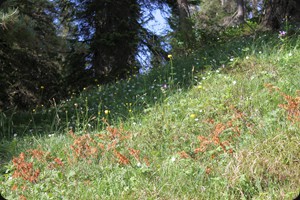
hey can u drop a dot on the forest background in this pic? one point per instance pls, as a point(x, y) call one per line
point(52, 49)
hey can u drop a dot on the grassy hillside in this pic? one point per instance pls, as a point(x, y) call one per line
point(221, 123)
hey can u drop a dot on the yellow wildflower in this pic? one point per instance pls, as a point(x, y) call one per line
point(200, 87)
point(193, 116)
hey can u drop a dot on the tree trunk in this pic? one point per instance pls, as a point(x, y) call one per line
point(1, 2)
point(295, 12)
point(184, 13)
point(254, 8)
point(223, 2)
point(183, 8)
point(185, 26)
point(240, 11)
point(277, 11)
point(269, 20)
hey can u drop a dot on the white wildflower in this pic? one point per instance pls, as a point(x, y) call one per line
point(173, 159)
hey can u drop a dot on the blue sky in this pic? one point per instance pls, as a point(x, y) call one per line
point(158, 25)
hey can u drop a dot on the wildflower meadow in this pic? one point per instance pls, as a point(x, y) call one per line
point(220, 123)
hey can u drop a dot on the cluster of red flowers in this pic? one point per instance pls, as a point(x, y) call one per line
point(111, 143)
point(292, 105)
point(215, 139)
point(25, 169)
point(84, 146)
point(121, 158)
point(218, 138)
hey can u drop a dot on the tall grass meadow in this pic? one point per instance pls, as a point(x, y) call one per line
point(220, 123)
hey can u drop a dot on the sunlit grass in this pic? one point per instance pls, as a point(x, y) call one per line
point(222, 123)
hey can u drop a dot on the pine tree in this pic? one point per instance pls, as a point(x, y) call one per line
point(29, 54)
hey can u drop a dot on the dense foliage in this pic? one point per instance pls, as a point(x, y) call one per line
point(29, 56)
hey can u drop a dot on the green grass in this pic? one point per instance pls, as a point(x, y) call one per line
point(210, 128)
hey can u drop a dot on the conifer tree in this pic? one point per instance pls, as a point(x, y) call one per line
point(29, 54)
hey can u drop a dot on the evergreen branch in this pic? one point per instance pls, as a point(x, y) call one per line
point(7, 18)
